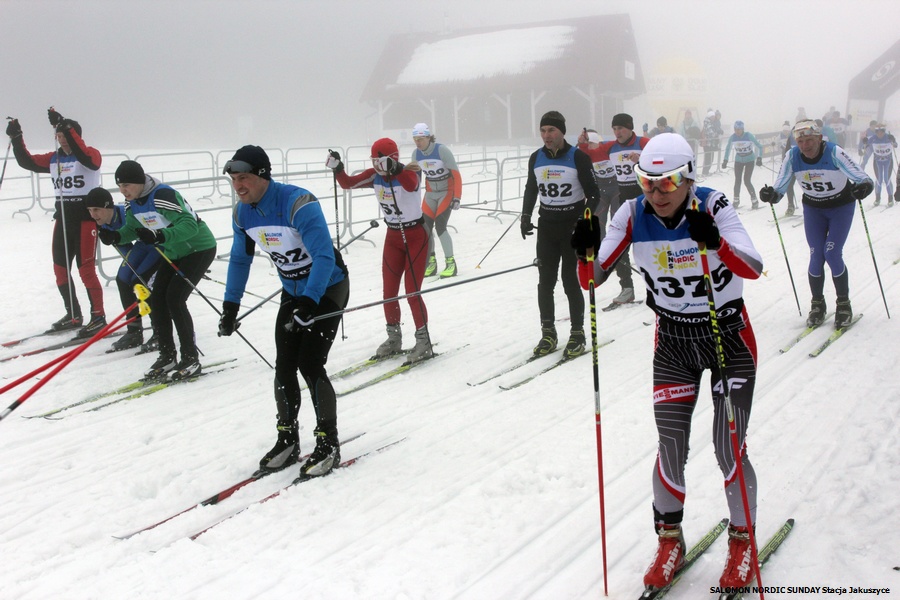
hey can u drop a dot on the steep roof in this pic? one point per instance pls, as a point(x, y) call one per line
point(599, 51)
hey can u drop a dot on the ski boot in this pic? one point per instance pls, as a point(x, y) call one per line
point(548, 341)
point(816, 313)
point(736, 204)
point(431, 268)
point(668, 559)
point(843, 313)
point(187, 367)
point(575, 345)
point(392, 345)
point(738, 563)
point(134, 337)
point(286, 450)
point(450, 269)
point(626, 296)
point(66, 323)
point(93, 326)
point(325, 458)
point(162, 366)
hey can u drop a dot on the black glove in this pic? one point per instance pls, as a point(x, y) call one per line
point(862, 189)
point(303, 314)
point(768, 195)
point(586, 236)
point(724, 164)
point(54, 117)
point(65, 125)
point(108, 236)
point(228, 324)
point(150, 236)
point(702, 228)
point(334, 161)
point(13, 129)
point(759, 161)
point(526, 226)
point(392, 167)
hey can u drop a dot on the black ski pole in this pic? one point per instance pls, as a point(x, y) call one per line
point(514, 221)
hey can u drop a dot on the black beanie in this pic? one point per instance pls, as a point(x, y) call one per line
point(98, 198)
point(623, 120)
point(555, 119)
point(254, 156)
point(130, 172)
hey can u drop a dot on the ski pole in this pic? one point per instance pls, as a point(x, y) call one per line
point(208, 278)
point(535, 263)
point(729, 409)
point(514, 221)
point(596, 368)
point(266, 299)
point(874, 262)
point(786, 261)
point(5, 159)
point(57, 185)
point(142, 295)
point(337, 231)
point(213, 306)
point(372, 225)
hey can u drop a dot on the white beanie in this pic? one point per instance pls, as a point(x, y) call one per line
point(666, 152)
point(421, 130)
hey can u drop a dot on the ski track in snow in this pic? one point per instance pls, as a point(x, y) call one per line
point(493, 494)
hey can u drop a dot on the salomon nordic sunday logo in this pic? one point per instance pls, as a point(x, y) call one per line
point(884, 70)
point(669, 260)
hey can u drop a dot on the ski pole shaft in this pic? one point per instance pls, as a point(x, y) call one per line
point(729, 409)
point(5, 160)
point(421, 292)
point(478, 266)
point(786, 261)
point(68, 358)
point(213, 306)
point(264, 300)
point(372, 225)
point(596, 370)
point(874, 262)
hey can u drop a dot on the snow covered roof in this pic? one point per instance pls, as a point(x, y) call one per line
point(599, 51)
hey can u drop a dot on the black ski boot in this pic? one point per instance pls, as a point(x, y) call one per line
point(66, 323)
point(843, 313)
point(160, 369)
point(187, 367)
point(134, 337)
point(816, 313)
point(285, 452)
point(575, 345)
point(325, 458)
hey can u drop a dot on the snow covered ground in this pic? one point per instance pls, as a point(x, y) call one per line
point(492, 493)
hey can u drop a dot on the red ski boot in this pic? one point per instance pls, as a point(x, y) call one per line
point(739, 562)
point(669, 557)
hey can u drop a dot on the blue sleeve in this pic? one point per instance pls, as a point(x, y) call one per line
point(238, 263)
point(758, 145)
point(310, 221)
point(727, 148)
point(786, 172)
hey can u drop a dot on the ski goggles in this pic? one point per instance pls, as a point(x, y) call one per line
point(806, 128)
point(241, 166)
point(662, 182)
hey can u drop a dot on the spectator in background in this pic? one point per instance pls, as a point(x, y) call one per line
point(662, 126)
point(839, 125)
point(690, 130)
point(747, 150)
point(709, 139)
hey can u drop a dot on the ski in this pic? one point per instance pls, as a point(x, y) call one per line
point(343, 465)
point(764, 554)
point(369, 362)
point(12, 343)
point(689, 559)
point(558, 363)
point(803, 334)
point(837, 333)
point(392, 373)
point(614, 305)
point(512, 368)
point(57, 346)
point(124, 389)
point(222, 495)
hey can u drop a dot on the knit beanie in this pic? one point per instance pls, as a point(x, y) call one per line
point(130, 171)
point(98, 198)
point(554, 119)
point(254, 156)
point(623, 120)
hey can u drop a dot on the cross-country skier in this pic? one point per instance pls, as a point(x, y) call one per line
point(443, 190)
point(880, 145)
point(405, 243)
point(75, 170)
point(747, 150)
point(831, 183)
point(664, 226)
point(287, 223)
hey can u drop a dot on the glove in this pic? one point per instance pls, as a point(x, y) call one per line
point(861, 151)
point(13, 129)
point(724, 164)
point(862, 189)
point(759, 161)
point(150, 236)
point(228, 324)
point(108, 236)
point(303, 315)
point(526, 226)
point(334, 161)
point(392, 167)
point(54, 117)
point(702, 228)
point(768, 195)
point(65, 125)
point(454, 204)
point(586, 236)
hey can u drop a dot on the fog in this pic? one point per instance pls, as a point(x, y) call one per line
point(218, 74)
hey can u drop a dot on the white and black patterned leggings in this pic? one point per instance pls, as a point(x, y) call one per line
point(681, 355)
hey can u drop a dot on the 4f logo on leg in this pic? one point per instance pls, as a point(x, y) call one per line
point(734, 383)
